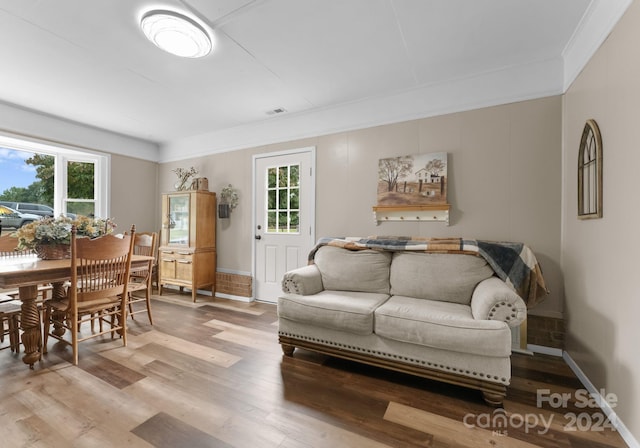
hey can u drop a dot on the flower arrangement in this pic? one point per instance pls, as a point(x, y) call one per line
point(57, 231)
point(184, 177)
point(229, 195)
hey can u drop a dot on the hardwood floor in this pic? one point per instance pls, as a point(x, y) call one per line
point(212, 374)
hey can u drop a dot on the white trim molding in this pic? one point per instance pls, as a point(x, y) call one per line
point(602, 402)
point(545, 350)
point(536, 79)
point(596, 24)
point(509, 84)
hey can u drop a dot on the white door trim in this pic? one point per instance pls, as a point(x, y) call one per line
point(312, 212)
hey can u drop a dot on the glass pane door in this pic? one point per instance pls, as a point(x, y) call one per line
point(284, 195)
point(179, 219)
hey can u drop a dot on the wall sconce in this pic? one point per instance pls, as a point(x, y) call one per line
point(228, 201)
point(224, 211)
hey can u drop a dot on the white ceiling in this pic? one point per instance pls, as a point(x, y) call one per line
point(332, 64)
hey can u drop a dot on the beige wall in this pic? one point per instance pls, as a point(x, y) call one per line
point(134, 193)
point(600, 257)
point(504, 170)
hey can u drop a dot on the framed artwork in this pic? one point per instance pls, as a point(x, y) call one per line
point(590, 172)
point(412, 188)
point(413, 180)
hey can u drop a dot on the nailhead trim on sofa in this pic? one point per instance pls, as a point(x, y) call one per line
point(393, 356)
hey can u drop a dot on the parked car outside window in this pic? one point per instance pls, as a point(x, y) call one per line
point(34, 209)
point(9, 204)
point(12, 218)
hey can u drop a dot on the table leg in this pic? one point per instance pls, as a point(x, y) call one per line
point(57, 293)
point(30, 324)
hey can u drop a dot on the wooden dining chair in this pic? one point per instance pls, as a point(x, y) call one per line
point(9, 306)
point(97, 290)
point(145, 243)
point(9, 246)
point(9, 322)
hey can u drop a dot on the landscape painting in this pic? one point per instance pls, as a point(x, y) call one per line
point(419, 179)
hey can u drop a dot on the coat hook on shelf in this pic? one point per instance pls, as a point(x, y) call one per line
point(423, 213)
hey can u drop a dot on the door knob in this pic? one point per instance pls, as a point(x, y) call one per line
point(258, 237)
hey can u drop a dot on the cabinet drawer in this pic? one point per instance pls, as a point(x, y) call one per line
point(170, 256)
point(184, 269)
point(175, 253)
point(167, 267)
point(176, 264)
point(182, 256)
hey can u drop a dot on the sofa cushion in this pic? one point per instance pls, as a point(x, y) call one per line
point(349, 270)
point(442, 277)
point(348, 311)
point(442, 325)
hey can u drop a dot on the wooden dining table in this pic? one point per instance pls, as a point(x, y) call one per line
point(26, 273)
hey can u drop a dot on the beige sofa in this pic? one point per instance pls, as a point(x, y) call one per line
point(438, 315)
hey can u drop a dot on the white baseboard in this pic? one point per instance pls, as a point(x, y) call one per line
point(545, 350)
point(232, 297)
point(218, 294)
point(521, 350)
point(608, 410)
point(177, 288)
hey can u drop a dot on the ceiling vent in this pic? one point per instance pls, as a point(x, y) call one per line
point(279, 110)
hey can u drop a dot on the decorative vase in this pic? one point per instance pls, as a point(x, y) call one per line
point(185, 182)
point(181, 185)
point(53, 251)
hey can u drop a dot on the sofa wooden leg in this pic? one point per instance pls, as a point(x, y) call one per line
point(492, 398)
point(287, 349)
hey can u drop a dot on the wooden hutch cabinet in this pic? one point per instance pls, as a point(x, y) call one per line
point(187, 253)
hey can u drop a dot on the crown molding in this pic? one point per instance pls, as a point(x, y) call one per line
point(510, 84)
point(46, 128)
point(596, 24)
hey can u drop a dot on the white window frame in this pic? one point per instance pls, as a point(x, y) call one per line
point(64, 154)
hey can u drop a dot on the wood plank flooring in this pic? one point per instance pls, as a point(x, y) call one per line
point(212, 374)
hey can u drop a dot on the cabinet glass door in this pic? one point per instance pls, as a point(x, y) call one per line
point(179, 219)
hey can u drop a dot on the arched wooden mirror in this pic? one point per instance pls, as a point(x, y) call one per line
point(590, 172)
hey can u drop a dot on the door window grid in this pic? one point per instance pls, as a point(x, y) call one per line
point(283, 199)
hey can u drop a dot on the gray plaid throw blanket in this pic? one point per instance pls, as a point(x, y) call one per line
point(514, 263)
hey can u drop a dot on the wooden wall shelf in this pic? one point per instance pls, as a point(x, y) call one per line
point(436, 212)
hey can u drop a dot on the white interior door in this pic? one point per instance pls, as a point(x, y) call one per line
point(284, 211)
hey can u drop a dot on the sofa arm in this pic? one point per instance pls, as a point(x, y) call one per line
point(493, 299)
point(304, 281)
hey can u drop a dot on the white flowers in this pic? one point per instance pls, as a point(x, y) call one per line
point(229, 195)
point(58, 230)
point(184, 178)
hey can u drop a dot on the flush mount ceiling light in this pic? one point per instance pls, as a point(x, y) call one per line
point(176, 33)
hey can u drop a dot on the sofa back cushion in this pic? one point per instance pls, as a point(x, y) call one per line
point(349, 270)
point(444, 277)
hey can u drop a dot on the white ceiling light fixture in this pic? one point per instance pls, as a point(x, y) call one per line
point(176, 33)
